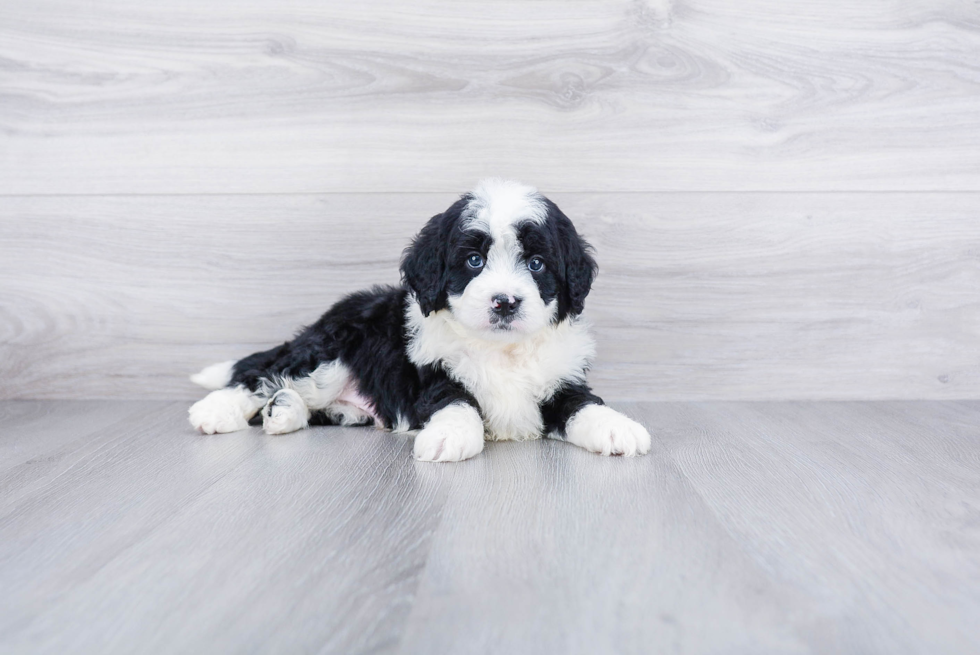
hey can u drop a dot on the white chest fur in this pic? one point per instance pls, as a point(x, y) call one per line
point(508, 380)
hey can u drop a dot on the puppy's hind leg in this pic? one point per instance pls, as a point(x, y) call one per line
point(232, 401)
point(264, 381)
point(225, 410)
point(285, 412)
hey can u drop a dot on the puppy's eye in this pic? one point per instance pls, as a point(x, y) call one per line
point(475, 261)
point(535, 264)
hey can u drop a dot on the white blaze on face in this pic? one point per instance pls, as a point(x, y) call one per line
point(498, 208)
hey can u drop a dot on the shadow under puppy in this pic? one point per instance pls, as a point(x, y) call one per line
point(482, 341)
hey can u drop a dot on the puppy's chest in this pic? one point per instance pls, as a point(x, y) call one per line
point(505, 374)
point(510, 385)
point(508, 381)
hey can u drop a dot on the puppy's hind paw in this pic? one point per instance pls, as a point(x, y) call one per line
point(285, 412)
point(224, 410)
point(607, 432)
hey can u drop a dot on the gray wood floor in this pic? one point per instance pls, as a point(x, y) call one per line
point(750, 528)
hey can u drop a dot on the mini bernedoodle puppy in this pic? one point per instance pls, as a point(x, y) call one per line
point(482, 341)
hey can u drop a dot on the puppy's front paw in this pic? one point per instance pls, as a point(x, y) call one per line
point(285, 412)
point(607, 432)
point(454, 433)
point(224, 410)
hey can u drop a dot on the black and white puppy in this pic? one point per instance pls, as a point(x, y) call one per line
point(482, 341)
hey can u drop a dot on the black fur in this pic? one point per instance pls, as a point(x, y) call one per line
point(366, 331)
point(579, 267)
point(425, 267)
point(562, 406)
point(569, 266)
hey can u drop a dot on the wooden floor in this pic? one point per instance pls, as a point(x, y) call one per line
point(750, 528)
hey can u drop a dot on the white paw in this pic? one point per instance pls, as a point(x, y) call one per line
point(453, 434)
point(285, 412)
point(607, 432)
point(224, 410)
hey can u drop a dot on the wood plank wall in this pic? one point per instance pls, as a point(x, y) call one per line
point(785, 196)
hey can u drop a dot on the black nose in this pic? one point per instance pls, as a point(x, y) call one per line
point(504, 306)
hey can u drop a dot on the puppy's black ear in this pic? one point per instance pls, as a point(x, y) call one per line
point(424, 263)
point(580, 267)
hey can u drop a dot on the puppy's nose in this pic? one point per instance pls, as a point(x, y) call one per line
point(504, 306)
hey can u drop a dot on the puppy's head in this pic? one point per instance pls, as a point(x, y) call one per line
point(503, 260)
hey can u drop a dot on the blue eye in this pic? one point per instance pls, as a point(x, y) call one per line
point(474, 261)
point(535, 264)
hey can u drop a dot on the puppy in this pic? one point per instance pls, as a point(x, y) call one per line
point(482, 341)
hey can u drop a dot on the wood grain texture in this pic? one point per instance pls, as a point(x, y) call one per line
point(749, 528)
point(41, 445)
point(109, 97)
point(833, 499)
point(157, 539)
point(737, 296)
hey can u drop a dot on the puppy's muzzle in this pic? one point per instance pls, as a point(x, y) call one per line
point(505, 306)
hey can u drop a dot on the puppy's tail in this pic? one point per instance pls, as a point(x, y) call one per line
point(214, 377)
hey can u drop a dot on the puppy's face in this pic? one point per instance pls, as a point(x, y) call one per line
point(503, 260)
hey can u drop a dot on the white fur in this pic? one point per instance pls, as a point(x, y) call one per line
point(454, 433)
point(498, 204)
point(330, 387)
point(508, 380)
point(224, 410)
point(318, 389)
point(402, 425)
point(216, 376)
point(607, 432)
point(285, 412)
